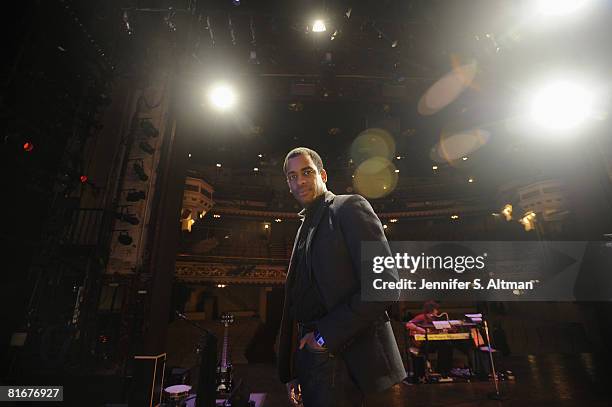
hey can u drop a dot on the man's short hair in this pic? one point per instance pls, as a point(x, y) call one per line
point(430, 306)
point(316, 158)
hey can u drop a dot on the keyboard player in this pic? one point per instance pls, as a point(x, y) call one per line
point(444, 348)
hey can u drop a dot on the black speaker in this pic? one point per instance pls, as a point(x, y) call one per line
point(148, 380)
point(240, 395)
point(207, 378)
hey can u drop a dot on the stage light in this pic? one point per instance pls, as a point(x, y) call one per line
point(216, 215)
point(528, 221)
point(394, 220)
point(169, 19)
point(558, 7)
point(253, 58)
point(218, 165)
point(83, 179)
point(135, 196)
point(385, 226)
point(140, 172)
point(470, 180)
point(147, 148)
point(222, 97)
point(278, 220)
point(260, 155)
point(125, 239)
point(27, 146)
point(189, 155)
point(127, 26)
point(296, 107)
point(434, 167)
point(148, 129)
point(561, 106)
point(396, 171)
point(454, 217)
point(507, 212)
point(318, 26)
point(127, 217)
point(328, 59)
point(255, 169)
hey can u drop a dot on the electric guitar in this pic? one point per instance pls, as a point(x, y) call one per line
point(224, 369)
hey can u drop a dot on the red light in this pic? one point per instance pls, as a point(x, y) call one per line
point(27, 146)
point(83, 179)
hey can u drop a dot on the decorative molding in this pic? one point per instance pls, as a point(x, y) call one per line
point(218, 273)
point(382, 215)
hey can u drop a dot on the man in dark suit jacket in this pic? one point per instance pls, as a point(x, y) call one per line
point(338, 348)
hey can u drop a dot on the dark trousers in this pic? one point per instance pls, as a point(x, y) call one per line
point(326, 382)
point(445, 354)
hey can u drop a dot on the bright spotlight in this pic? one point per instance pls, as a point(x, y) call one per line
point(558, 7)
point(222, 97)
point(561, 106)
point(318, 26)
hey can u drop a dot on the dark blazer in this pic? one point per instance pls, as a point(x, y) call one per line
point(360, 332)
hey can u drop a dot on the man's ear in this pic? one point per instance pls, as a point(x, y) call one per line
point(324, 175)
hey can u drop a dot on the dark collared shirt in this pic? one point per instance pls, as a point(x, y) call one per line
point(306, 303)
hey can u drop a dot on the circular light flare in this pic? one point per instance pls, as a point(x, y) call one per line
point(27, 146)
point(318, 26)
point(375, 178)
point(222, 97)
point(561, 105)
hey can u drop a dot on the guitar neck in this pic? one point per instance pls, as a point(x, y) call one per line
point(225, 347)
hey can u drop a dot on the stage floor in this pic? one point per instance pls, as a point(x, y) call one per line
point(582, 380)
point(541, 380)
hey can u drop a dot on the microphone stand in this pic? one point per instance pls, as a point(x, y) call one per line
point(497, 395)
point(206, 394)
point(199, 327)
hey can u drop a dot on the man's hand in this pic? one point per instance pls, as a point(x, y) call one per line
point(309, 340)
point(294, 392)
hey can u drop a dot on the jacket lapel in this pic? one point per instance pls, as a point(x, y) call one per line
point(292, 259)
point(329, 197)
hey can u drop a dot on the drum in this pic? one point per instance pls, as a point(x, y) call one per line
point(177, 394)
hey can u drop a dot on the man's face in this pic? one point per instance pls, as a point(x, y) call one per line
point(305, 182)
